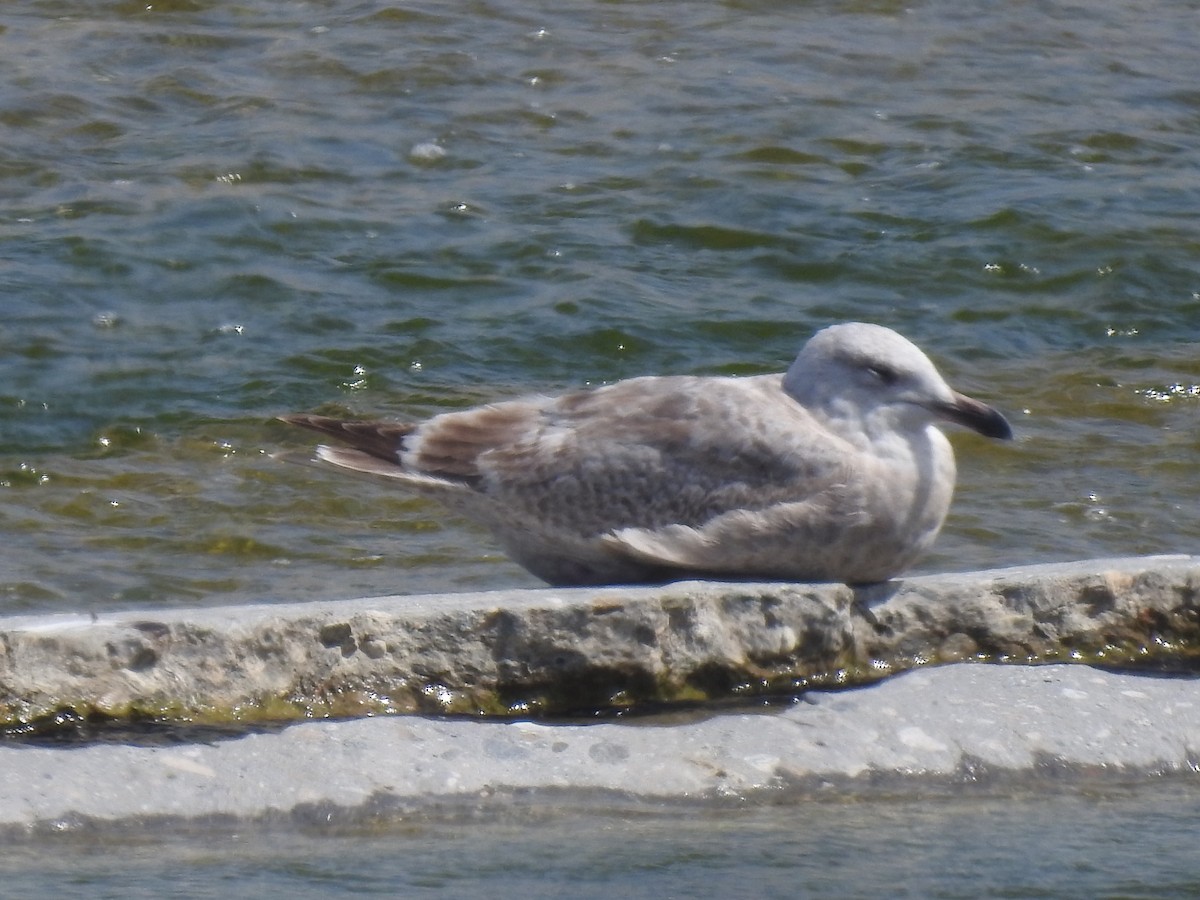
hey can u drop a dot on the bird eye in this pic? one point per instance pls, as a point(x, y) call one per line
point(886, 374)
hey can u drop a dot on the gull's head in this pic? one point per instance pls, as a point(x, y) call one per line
point(877, 382)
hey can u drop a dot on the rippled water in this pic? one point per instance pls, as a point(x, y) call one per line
point(214, 212)
point(1113, 843)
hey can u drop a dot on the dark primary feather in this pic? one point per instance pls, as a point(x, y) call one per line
point(383, 440)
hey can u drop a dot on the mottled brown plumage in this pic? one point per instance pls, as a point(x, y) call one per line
point(833, 471)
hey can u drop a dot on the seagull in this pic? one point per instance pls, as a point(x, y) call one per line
point(833, 471)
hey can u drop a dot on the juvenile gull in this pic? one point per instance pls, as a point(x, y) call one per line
point(832, 471)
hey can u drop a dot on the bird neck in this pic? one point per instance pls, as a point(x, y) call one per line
point(882, 431)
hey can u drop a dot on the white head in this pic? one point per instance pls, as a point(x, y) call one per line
point(878, 383)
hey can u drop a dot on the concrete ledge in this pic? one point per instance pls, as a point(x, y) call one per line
point(552, 652)
point(957, 728)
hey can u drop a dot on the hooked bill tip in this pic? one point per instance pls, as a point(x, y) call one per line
point(979, 417)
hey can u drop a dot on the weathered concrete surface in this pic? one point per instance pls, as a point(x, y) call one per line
point(555, 651)
point(962, 726)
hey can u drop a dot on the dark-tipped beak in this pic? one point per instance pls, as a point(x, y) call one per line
point(977, 416)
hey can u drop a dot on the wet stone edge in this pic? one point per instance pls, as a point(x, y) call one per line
point(571, 654)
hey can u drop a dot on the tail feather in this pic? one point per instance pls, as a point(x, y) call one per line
point(381, 440)
point(360, 461)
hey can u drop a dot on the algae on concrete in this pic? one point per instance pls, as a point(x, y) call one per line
point(559, 652)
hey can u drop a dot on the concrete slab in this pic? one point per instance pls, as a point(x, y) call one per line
point(957, 726)
point(552, 652)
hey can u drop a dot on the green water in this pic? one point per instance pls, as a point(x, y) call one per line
point(1118, 842)
point(215, 212)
